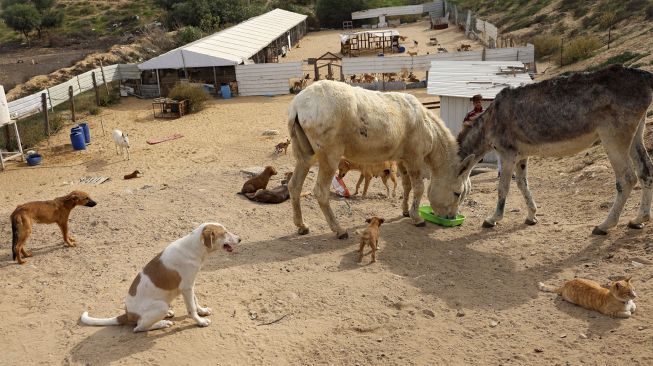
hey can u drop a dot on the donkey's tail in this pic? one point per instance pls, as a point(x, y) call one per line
point(14, 236)
point(298, 137)
point(547, 288)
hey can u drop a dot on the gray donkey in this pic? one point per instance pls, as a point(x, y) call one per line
point(564, 116)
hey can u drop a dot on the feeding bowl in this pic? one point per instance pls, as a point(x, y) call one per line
point(34, 159)
point(427, 214)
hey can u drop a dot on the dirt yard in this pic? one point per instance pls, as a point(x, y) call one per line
point(436, 296)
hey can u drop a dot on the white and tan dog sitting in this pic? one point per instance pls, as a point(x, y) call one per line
point(169, 274)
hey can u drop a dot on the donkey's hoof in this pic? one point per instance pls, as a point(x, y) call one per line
point(487, 224)
point(344, 235)
point(406, 214)
point(531, 221)
point(302, 231)
point(599, 231)
point(421, 224)
point(639, 226)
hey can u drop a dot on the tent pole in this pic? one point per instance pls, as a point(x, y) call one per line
point(183, 62)
point(215, 81)
point(158, 83)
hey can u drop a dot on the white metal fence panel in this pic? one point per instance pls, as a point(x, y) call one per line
point(267, 79)
point(128, 72)
point(26, 105)
point(58, 94)
point(361, 65)
point(388, 12)
point(436, 7)
point(524, 54)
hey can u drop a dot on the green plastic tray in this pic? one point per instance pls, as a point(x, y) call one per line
point(427, 214)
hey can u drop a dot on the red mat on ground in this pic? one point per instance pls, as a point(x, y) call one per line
point(164, 139)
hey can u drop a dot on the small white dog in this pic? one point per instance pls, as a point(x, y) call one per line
point(122, 142)
point(169, 274)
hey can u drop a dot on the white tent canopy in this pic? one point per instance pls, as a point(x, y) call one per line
point(231, 46)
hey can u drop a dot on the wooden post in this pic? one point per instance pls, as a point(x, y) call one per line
point(317, 72)
point(72, 102)
point(104, 80)
point(44, 107)
point(8, 137)
point(562, 42)
point(483, 54)
point(97, 92)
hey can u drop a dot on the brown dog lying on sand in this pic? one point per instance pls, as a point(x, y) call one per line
point(370, 237)
point(44, 212)
point(258, 181)
point(273, 195)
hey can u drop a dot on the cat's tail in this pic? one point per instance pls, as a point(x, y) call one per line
point(547, 288)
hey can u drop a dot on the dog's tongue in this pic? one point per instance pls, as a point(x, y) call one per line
point(227, 247)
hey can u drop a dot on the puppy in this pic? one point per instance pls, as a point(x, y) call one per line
point(122, 142)
point(370, 237)
point(259, 181)
point(132, 175)
point(274, 195)
point(282, 146)
point(44, 212)
point(169, 274)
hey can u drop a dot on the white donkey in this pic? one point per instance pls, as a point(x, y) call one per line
point(564, 116)
point(122, 142)
point(330, 119)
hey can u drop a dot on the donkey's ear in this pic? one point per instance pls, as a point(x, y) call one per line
point(368, 220)
point(627, 279)
point(467, 165)
point(381, 221)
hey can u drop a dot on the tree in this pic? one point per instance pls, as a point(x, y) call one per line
point(23, 18)
point(51, 19)
point(332, 13)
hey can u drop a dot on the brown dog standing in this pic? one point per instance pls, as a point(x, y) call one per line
point(259, 181)
point(370, 237)
point(44, 212)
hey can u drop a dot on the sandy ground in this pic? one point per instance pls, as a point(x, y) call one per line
point(436, 296)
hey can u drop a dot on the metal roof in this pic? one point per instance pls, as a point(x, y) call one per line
point(231, 46)
point(467, 78)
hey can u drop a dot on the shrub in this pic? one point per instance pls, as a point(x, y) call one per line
point(195, 95)
point(649, 12)
point(188, 34)
point(545, 45)
point(579, 48)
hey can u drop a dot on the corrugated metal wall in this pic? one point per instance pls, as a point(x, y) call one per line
point(389, 11)
point(267, 79)
point(361, 65)
point(436, 7)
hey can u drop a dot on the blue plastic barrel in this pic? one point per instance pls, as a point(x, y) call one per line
point(77, 138)
point(87, 132)
point(225, 91)
point(402, 49)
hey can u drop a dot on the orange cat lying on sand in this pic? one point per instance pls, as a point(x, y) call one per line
point(615, 302)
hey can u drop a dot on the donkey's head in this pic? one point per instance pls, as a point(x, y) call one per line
point(449, 187)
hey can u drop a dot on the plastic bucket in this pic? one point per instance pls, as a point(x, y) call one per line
point(402, 49)
point(225, 91)
point(87, 132)
point(77, 139)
